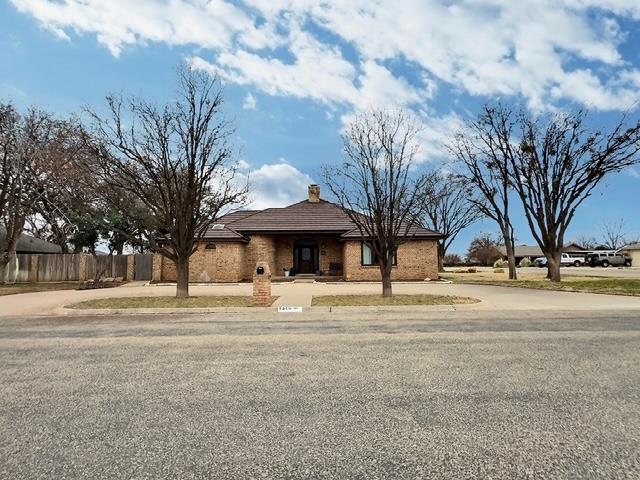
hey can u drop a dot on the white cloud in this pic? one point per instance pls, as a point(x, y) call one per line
point(277, 185)
point(119, 23)
point(584, 86)
point(318, 72)
point(484, 47)
point(250, 102)
point(547, 51)
point(243, 164)
point(436, 133)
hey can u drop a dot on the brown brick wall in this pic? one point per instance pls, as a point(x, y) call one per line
point(417, 260)
point(331, 253)
point(262, 286)
point(261, 248)
point(225, 263)
point(235, 261)
point(130, 267)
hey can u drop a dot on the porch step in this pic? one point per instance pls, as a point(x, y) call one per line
point(304, 280)
point(305, 275)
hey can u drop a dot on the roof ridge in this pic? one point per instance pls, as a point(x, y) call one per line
point(253, 212)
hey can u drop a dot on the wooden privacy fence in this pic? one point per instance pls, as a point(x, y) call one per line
point(55, 268)
point(109, 266)
point(22, 269)
point(78, 267)
point(143, 264)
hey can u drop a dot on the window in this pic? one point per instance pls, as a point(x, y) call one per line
point(210, 246)
point(369, 257)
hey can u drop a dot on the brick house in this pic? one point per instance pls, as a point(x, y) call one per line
point(312, 237)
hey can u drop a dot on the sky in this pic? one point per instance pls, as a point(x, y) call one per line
point(296, 71)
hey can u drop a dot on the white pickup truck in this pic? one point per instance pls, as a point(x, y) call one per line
point(566, 260)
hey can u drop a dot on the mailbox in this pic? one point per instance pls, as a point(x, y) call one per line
point(260, 270)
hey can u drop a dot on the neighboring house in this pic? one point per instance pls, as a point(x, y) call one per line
point(533, 252)
point(29, 244)
point(633, 252)
point(312, 237)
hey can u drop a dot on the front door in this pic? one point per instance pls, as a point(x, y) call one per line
point(305, 257)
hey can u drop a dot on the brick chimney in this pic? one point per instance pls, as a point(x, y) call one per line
point(314, 193)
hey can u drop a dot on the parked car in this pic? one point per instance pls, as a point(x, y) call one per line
point(566, 260)
point(604, 259)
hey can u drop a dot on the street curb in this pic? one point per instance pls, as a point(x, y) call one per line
point(243, 310)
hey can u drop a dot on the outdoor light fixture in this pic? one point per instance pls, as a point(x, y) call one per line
point(260, 270)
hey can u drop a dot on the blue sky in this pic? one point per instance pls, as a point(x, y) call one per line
point(295, 71)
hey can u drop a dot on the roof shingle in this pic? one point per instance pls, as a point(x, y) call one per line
point(303, 216)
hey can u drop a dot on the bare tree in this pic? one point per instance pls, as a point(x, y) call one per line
point(482, 149)
point(169, 171)
point(484, 249)
point(555, 165)
point(452, 259)
point(376, 186)
point(587, 242)
point(450, 207)
point(33, 148)
point(614, 234)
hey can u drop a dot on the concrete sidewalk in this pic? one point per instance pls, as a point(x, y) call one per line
point(291, 294)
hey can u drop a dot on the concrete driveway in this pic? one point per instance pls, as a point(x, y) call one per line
point(457, 395)
point(300, 294)
point(610, 272)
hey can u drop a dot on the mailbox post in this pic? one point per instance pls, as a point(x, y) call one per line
point(261, 285)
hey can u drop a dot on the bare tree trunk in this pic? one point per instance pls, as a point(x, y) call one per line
point(182, 265)
point(7, 263)
point(553, 266)
point(513, 269)
point(98, 273)
point(387, 290)
point(4, 261)
point(511, 255)
point(11, 270)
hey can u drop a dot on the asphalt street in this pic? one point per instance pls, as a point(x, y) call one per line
point(455, 395)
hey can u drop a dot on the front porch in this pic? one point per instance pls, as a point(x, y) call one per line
point(307, 256)
point(307, 278)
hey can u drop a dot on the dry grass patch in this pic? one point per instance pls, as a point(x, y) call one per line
point(378, 300)
point(609, 286)
point(167, 302)
point(37, 287)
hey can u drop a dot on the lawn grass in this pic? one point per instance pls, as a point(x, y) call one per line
point(378, 300)
point(609, 286)
point(166, 302)
point(36, 287)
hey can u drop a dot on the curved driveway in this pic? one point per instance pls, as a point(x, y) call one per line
point(300, 294)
